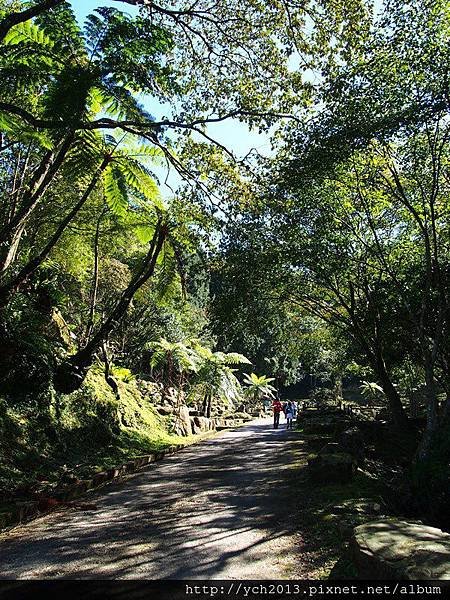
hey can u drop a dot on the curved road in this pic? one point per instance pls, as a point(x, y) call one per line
point(217, 510)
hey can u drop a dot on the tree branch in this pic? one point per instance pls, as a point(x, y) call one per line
point(107, 123)
point(20, 17)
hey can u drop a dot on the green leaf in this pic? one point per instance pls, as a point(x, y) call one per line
point(27, 32)
point(115, 190)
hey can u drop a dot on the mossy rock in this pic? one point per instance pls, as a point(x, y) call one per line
point(395, 549)
point(332, 468)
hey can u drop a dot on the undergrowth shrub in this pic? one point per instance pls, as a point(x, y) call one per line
point(430, 481)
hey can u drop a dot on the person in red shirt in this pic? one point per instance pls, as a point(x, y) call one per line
point(277, 407)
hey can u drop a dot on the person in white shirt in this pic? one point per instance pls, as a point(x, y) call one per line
point(289, 414)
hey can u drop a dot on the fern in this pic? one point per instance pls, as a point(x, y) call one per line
point(168, 281)
point(146, 152)
point(16, 130)
point(144, 233)
point(120, 102)
point(85, 155)
point(141, 180)
point(26, 33)
point(115, 190)
point(61, 25)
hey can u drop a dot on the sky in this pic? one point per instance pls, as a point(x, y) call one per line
point(232, 134)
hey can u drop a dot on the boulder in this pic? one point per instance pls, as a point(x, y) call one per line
point(203, 423)
point(331, 448)
point(352, 441)
point(183, 421)
point(194, 427)
point(394, 549)
point(332, 468)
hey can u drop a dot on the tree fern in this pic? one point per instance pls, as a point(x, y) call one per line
point(139, 178)
point(180, 355)
point(16, 130)
point(115, 190)
point(26, 33)
point(258, 387)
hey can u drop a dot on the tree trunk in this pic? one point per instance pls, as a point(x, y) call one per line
point(70, 374)
point(11, 233)
point(206, 406)
point(432, 414)
point(11, 287)
point(396, 408)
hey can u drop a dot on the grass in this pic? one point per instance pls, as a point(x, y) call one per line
point(323, 542)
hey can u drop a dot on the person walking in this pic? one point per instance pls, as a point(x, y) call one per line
point(295, 408)
point(277, 408)
point(289, 413)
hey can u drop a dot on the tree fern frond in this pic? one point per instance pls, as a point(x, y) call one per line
point(124, 103)
point(16, 130)
point(115, 190)
point(140, 179)
point(109, 104)
point(86, 154)
point(167, 280)
point(95, 101)
point(234, 358)
point(146, 152)
point(62, 26)
point(27, 32)
point(144, 233)
point(30, 54)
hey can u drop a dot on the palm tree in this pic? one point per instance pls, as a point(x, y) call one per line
point(258, 387)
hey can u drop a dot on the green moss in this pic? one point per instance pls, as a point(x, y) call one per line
point(84, 432)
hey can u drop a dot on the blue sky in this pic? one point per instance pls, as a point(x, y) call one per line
point(232, 134)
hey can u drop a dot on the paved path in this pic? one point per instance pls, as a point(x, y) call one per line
point(216, 510)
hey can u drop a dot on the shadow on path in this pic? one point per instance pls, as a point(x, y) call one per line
point(219, 509)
